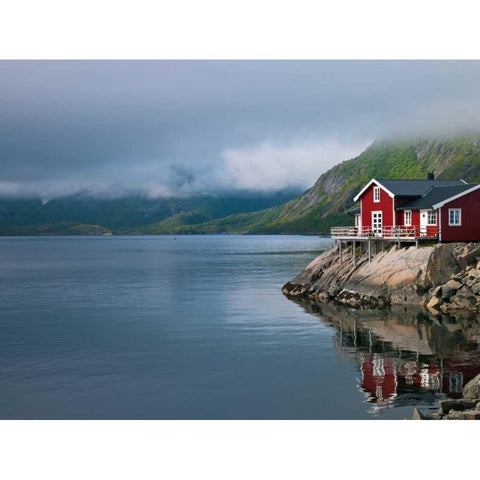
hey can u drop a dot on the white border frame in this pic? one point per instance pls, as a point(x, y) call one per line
point(460, 218)
point(404, 218)
point(428, 218)
point(381, 228)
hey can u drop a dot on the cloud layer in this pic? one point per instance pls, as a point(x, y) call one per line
point(182, 127)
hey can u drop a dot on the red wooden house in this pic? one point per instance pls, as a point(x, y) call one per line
point(414, 210)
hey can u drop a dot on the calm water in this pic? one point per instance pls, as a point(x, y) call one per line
point(196, 327)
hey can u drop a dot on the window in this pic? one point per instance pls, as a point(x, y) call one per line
point(432, 217)
point(408, 218)
point(454, 216)
point(376, 194)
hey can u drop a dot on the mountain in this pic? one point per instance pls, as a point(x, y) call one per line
point(79, 214)
point(326, 203)
point(59, 228)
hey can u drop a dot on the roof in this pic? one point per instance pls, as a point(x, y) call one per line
point(408, 188)
point(436, 195)
point(414, 188)
point(354, 211)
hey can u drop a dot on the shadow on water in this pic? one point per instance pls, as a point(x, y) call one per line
point(406, 357)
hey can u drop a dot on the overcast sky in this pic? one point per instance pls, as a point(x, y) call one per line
point(181, 127)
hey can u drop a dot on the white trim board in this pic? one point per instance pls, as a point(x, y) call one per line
point(368, 185)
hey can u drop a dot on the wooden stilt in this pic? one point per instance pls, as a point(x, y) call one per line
point(340, 250)
point(354, 252)
point(369, 250)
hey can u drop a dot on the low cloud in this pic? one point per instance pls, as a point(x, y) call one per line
point(176, 128)
point(271, 166)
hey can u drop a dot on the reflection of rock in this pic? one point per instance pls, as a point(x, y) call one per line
point(406, 357)
point(467, 408)
point(444, 277)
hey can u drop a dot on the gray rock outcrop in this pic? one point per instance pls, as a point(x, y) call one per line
point(443, 277)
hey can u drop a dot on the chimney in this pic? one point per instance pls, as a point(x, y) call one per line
point(430, 176)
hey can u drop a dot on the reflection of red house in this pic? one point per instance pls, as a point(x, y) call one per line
point(383, 378)
point(447, 210)
point(379, 377)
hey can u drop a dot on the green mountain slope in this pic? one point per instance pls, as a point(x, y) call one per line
point(313, 212)
point(124, 215)
point(59, 228)
point(326, 203)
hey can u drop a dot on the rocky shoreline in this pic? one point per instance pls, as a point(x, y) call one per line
point(444, 278)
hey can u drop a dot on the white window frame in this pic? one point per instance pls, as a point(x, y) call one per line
point(407, 214)
point(376, 194)
point(430, 212)
point(459, 224)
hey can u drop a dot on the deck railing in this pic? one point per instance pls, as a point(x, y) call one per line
point(385, 232)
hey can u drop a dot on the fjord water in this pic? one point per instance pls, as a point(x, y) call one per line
point(196, 327)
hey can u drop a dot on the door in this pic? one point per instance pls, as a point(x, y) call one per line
point(423, 222)
point(377, 223)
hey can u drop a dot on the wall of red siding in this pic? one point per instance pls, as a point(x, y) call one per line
point(399, 214)
point(368, 206)
point(416, 218)
point(470, 228)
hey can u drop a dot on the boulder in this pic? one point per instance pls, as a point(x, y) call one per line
point(444, 262)
point(469, 280)
point(475, 288)
point(467, 254)
point(436, 292)
point(434, 303)
point(464, 299)
point(472, 388)
point(450, 288)
point(475, 273)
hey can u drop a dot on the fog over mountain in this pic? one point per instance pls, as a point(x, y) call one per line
point(178, 128)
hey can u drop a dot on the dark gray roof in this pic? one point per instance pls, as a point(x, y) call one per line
point(416, 188)
point(436, 195)
point(354, 211)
